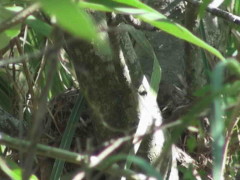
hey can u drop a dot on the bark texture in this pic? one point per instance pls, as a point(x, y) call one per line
point(120, 96)
point(112, 100)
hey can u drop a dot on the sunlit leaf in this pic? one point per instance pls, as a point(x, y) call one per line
point(143, 42)
point(13, 170)
point(7, 35)
point(71, 18)
point(156, 19)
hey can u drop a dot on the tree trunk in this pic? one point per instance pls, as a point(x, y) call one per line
point(120, 97)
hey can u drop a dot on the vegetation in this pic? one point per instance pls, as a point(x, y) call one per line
point(85, 92)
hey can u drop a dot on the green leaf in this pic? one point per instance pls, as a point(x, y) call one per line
point(8, 12)
point(217, 123)
point(143, 42)
point(237, 7)
point(9, 34)
point(68, 136)
point(11, 169)
point(180, 32)
point(191, 143)
point(156, 19)
point(156, 76)
point(65, 75)
point(203, 7)
point(95, 6)
point(71, 18)
point(116, 3)
point(39, 26)
point(4, 40)
point(143, 164)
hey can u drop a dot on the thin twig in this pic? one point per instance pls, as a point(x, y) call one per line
point(42, 65)
point(234, 121)
point(138, 24)
point(36, 131)
point(37, 54)
point(27, 73)
point(219, 12)
point(10, 124)
point(19, 17)
point(76, 158)
point(57, 153)
point(43, 150)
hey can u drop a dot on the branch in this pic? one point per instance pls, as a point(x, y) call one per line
point(10, 124)
point(47, 151)
point(96, 162)
point(138, 24)
point(219, 12)
point(19, 17)
point(191, 14)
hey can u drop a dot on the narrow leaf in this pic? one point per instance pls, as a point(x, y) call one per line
point(68, 136)
point(156, 19)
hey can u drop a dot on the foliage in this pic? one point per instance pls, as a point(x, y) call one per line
point(25, 68)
